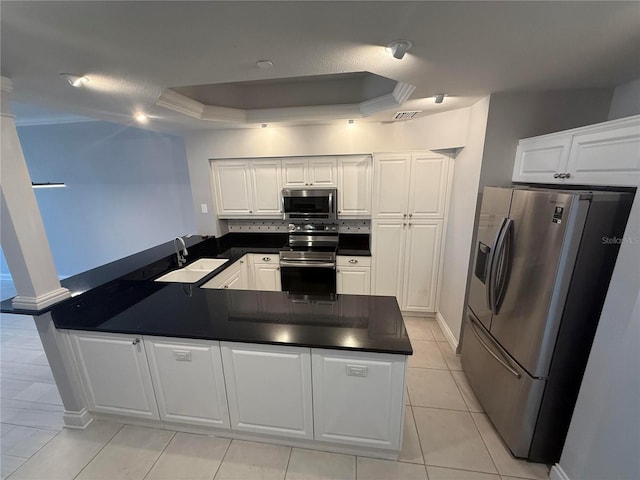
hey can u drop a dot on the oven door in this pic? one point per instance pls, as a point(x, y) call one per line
point(307, 277)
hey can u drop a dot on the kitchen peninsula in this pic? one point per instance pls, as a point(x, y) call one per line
point(325, 372)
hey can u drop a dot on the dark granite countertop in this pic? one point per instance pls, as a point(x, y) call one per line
point(121, 297)
point(351, 322)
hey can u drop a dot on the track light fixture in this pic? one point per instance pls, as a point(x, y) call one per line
point(398, 48)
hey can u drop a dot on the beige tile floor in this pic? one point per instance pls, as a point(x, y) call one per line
point(446, 434)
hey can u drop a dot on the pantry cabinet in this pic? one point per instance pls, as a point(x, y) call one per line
point(269, 389)
point(410, 192)
point(188, 381)
point(104, 357)
point(300, 172)
point(603, 154)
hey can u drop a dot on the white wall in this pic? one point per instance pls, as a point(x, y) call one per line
point(462, 208)
point(440, 131)
point(604, 437)
point(127, 190)
point(626, 100)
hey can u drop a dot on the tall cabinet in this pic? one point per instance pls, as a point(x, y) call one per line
point(410, 195)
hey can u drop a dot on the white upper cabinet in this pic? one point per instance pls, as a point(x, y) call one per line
point(309, 172)
point(428, 185)
point(233, 188)
point(102, 359)
point(390, 185)
point(354, 186)
point(269, 389)
point(188, 381)
point(604, 154)
point(266, 176)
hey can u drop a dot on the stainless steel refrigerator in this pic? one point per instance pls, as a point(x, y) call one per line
point(543, 262)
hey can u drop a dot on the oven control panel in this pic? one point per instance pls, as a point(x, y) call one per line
point(313, 227)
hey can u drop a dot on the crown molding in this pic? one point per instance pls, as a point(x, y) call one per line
point(53, 121)
point(187, 106)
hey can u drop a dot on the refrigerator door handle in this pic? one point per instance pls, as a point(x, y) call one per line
point(504, 257)
point(492, 258)
point(511, 370)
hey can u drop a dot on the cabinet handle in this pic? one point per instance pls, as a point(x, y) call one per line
point(250, 211)
point(567, 175)
point(404, 224)
point(266, 259)
point(136, 341)
point(226, 286)
point(278, 268)
point(556, 175)
point(404, 215)
point(241, 261)
point(410, 215)
point(337, 270)
point(353, 260)
point(409, 224)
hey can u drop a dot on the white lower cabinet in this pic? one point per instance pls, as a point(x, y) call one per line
point(269, 389)
point(235, 277)
point(114, 373)
point(358, 398)
point(353, 275)
point(266, 272)
point(188, 380)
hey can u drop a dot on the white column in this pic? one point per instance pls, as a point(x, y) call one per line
point(23, 237)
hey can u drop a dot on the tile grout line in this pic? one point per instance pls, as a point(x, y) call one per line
point(99, 450)
point(415, 425)
point(223, 456)
point(161, 452)
point(475, 424)
point(34, 453)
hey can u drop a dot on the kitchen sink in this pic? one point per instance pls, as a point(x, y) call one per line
point(194, 271)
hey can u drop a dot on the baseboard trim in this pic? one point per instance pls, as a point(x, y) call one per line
point(557, 473)
point(77, 420)
point(448, 334)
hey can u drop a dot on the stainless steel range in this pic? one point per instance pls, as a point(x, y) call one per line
point(308, 265)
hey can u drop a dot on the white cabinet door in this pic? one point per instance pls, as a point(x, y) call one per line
point(294, 172)
point(422, 261)
point(387, 254)
point(613, 155)
point(353, 280)
point(428, 185)
point(390, 181)
point(188, 381)
point(321, 171)
point(539, 159)
point(115, 374)
point(233, 188)
point(354, 186)
point(269, 389)
point(267, 277)
point(358, 398)
point(228, 277)
point(266, 177)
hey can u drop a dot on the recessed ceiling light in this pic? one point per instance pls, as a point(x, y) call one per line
point(398, 48)
point(264, 64)
point(141, 117)
point(75, 80)
point(439, 98)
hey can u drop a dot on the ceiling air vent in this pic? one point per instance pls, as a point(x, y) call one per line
point(408, 115)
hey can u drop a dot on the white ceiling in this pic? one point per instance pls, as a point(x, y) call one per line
point(132, 51)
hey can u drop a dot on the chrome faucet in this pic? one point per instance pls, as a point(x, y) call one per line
point(181, 259)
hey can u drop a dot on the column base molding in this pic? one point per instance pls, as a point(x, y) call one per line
point(78, 420)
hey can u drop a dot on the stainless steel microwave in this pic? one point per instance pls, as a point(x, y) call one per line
point(309, 203)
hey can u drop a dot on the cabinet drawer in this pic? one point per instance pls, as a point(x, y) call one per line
point(353, 261)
